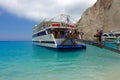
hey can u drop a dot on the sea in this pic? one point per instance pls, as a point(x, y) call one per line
point(22, 60)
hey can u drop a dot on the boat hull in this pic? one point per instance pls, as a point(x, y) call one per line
point(71, 46)
point(50, 41)
point(61, 46)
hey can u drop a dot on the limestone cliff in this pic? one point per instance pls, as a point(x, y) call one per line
point(104, 14)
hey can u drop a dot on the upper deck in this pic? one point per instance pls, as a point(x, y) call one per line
point(58, 22)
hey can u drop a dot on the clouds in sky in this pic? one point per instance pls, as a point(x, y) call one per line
point(38, 9)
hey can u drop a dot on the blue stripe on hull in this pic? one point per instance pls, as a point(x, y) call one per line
point(72, 46)
point(80, 46)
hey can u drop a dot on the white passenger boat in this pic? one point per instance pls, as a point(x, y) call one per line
point(110, 37)
point(58, 32)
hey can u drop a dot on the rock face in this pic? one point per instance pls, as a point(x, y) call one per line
point(104, 14)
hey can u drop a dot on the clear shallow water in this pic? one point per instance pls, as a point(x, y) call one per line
point(25, 61)
point(112, 45)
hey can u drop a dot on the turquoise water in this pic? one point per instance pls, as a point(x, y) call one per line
point(112, 45)
point(25, 61)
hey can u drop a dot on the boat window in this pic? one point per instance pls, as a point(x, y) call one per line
point(35, 35)
point(39, 34)
point(111, 34)
point(105, 35)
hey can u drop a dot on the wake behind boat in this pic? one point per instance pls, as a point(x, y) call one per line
point(58, 32)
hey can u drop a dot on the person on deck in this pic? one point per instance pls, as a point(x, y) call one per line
point(117, 42)
point(81, 35)
point(97, 36)
point(101, 33)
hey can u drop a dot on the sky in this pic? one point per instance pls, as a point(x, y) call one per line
point(18, 17)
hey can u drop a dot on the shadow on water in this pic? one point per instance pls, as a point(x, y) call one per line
point(60, 50)
point(66, 50)
point(50, 53)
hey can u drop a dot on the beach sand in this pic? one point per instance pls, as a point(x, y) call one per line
point(113, 73)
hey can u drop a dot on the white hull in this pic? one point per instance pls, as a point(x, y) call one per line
point(45, 40)
point(49, 41)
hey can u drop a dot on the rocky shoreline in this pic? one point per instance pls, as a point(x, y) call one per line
point(104, 14)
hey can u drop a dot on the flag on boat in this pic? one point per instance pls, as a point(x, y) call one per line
point(68, 19)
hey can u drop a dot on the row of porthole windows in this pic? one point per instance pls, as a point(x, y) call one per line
point(39, 34)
